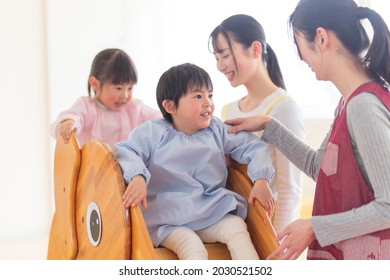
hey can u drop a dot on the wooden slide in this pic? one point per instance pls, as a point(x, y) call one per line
point(90, 222)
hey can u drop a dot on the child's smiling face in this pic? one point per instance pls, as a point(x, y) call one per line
point(194, 111)
point(114, 97)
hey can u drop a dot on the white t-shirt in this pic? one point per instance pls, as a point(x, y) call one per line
point(286, 184)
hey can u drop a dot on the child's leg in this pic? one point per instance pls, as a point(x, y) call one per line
point(186, 244)
point(232, 231)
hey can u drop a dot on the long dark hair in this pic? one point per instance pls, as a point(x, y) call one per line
point(113, 66)
point(245, 30)
point(344, 17)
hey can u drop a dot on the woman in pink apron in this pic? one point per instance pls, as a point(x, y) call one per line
point(351, 211)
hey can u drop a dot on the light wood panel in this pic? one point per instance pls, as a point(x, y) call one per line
point(62, 240)
point(100, 181)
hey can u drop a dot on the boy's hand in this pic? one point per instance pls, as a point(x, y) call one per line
point(66, 128)
point(135, 192)
point(262, 193)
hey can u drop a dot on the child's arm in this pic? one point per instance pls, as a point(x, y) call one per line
point(262, 193)
point(65, 129)
point(135, 192)
point(133, 156)
point(73, 119)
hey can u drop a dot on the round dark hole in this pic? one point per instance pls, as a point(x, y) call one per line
point(94, 224)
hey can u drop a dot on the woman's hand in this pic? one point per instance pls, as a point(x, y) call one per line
point(135, 192)
point(255, 123)
point(296, 237)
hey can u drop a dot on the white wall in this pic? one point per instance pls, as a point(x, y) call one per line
point(159, 34)
point(25, 193)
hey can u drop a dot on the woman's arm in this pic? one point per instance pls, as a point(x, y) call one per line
point(296, 150)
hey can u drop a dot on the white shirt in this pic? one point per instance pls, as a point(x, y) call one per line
point(286, 184)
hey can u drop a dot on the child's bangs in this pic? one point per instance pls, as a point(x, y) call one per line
point(199, 79)
point(121, 72)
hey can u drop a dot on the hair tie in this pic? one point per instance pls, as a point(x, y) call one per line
point(362, 12)
point(264, 44)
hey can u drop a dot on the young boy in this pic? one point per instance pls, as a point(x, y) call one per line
point(182, 160)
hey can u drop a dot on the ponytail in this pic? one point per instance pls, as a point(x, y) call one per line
point(344, 18)
point(377, 59)
point(273, 68)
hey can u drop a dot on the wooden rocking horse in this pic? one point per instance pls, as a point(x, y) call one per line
point(90, 222)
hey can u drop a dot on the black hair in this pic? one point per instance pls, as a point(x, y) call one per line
point(244, 29)
point(177, 81)
point(343, 17)
point(113, 66)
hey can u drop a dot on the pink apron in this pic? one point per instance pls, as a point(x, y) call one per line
point(341, 187)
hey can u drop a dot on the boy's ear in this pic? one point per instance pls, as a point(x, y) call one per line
point(169, 106)
point(94, 83)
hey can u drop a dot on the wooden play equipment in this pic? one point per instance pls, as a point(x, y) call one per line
point(90, 222)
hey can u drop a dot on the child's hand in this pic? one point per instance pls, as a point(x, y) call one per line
point(263, 194)
point(135, 192)
point(66, 127)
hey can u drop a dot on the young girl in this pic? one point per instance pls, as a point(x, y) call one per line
point(182, 160)
point(112, 113)
point(245, 58)
point(351, 211)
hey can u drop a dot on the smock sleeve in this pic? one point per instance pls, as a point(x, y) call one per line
point(78, 112)
point(246, 148)
point(134, 154)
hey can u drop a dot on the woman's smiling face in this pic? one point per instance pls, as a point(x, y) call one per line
point(233, 61)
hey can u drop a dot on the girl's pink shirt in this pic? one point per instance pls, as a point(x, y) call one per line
point(94, 121)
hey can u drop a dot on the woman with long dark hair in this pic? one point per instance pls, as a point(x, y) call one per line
point(351, 211)
point(246, 58)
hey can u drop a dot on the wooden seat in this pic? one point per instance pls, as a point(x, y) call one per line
point(99, 224)
point(93, 221)
point(259, 225)
point(100, 187)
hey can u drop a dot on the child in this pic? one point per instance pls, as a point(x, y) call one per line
point(182, 160)
point(246, 58)
point(112, 113)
